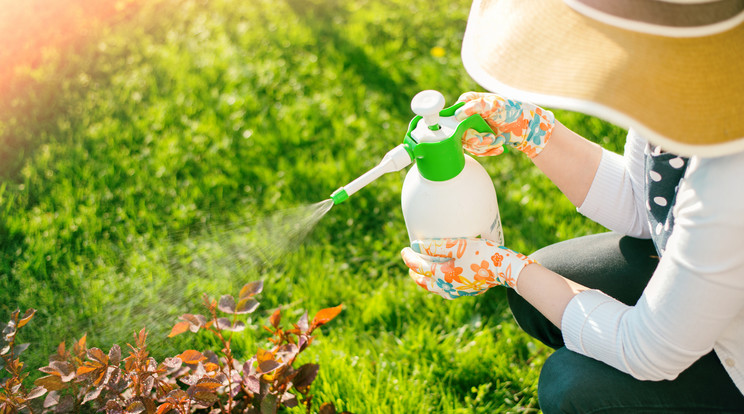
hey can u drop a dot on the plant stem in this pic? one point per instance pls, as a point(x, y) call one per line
point(228, 357)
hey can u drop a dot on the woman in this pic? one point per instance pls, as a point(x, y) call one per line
point(638, 325)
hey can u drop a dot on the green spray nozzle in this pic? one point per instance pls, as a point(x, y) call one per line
point(339, 196)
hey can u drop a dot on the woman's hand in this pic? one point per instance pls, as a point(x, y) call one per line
point(523, 126)
point(459, 267)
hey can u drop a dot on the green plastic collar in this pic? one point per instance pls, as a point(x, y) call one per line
point(339, 196)
point(443, 160)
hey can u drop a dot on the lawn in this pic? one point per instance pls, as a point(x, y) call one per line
point(176, 151)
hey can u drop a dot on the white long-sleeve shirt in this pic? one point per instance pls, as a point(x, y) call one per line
point(694, 302)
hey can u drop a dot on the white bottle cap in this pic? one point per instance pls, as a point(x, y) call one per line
point(428, 104)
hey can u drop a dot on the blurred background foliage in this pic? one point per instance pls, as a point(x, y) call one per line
point(140, 144)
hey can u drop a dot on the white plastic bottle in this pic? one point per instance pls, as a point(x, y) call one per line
point(446, 193)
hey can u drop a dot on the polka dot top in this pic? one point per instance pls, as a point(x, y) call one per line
point(663, 173)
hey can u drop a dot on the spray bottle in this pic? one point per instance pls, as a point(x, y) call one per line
point(446, 194)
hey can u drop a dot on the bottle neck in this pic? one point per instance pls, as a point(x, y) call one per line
point(436, 161)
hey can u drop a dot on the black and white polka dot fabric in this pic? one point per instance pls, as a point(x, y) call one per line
point(664, 171)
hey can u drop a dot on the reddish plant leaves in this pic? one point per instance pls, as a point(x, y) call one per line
point(193, 381)
point(266, 367)
point(306, 375)
point(263, 355)
point(326, 315)
point(247, 305)
point(195, 321)
point(276, 318)
point(164, 408)
point(227, 304)
point(35, 393)
point(79, 348)
point(192, 357)
point(98, 356)
point(302, 324)
point(114, 355)
point(179, 328)
point(50, 382)
point(84, 369)
point(251, 289)
point(26, 318)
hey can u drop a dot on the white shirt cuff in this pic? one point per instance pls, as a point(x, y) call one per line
point(590, 325)
point(608, 178)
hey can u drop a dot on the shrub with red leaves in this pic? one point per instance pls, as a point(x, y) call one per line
point(88, 379)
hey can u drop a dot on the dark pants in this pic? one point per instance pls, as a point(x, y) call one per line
point(572, 383)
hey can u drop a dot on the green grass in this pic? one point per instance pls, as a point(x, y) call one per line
point(118, 156)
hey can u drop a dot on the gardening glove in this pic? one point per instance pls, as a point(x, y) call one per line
point(459, 267)
point(523, 126)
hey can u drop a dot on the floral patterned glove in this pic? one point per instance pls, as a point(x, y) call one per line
point(459, 267)
point(523, 126)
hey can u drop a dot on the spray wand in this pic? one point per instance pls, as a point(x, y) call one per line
point(395, 160)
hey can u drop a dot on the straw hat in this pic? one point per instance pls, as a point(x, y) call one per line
point(671, 69)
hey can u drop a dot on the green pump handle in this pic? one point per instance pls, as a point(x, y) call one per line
point(443, 160)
